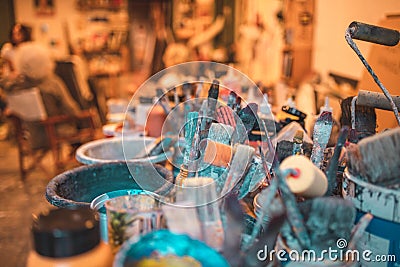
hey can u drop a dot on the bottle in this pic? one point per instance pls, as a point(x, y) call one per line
point(68, 238)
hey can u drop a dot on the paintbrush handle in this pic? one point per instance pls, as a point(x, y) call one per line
point(321, 134)
point(294, 216)
point(195, 150)
point(190, 129)
point(358, 230)
point(333, 163)
point(273, 188)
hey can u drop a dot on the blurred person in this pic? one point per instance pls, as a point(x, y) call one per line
point(18, 35)
point(36, 69)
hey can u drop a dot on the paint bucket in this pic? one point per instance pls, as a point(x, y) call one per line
point(81, 185)
point(118, 149)
point(382, 236)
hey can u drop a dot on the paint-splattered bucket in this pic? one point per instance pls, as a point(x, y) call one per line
point(79, 186)
point(382, 236)
point(119, 149)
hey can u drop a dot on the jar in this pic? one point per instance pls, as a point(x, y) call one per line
point(68, 238)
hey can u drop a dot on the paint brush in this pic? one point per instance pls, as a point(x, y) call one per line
point(234, 217)
point(332, 169)
point(328, 220)
point(270, 193)
point(212, 101)
point(190, 128)
point(248, 116)
point(295, 218)
point(253, 178)
point(358, 230)
point(364, 124)
point(220, 132)
point(176, 97)
point(226, 116)
point(238, 167)
point(217, 151)
point(246, 120)
point(232, 100)
point(186, 89)
point(163, 100)
point(195, 150)
point(267, 239)
point(298, 142)
point(375, 158)
point(238, 104)
point(321, 134)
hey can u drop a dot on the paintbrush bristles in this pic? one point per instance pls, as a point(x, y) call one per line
point(240, 161)
point(376, 158)
point(220, 132)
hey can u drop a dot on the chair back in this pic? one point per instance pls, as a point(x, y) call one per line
point(27, 104)
point(78, 86)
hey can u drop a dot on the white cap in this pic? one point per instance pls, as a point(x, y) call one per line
point(326, 107)
point(290, 102)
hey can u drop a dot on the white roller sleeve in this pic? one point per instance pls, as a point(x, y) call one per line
point(311, 181)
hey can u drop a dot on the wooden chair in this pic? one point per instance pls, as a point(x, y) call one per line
point(27, 109)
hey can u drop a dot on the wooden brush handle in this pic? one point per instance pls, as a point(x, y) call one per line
point(217, 154)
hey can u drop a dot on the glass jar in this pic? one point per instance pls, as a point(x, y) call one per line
point(68, 238)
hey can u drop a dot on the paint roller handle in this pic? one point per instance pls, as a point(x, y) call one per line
point(374, 34)
point(376, 100)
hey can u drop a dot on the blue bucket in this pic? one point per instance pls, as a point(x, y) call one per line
point(382, 236)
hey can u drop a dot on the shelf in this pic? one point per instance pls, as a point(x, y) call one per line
point(108, 5)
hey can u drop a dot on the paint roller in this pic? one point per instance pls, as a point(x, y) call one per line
point(376, 100)
point(373, 34)
point(308, 180)
point(378, 35)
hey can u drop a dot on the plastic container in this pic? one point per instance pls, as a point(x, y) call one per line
point(68, 238)
point(98, 205)
point(116, 149)
point(164, 243)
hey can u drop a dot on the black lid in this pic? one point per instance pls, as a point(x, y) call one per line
point(65, 232)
